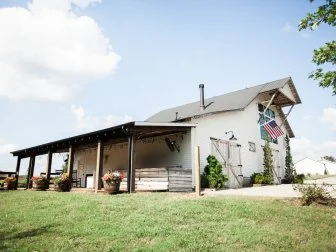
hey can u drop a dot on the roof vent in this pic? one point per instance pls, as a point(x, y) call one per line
point(201, 88)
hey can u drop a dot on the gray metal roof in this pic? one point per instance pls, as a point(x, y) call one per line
point(237, 100)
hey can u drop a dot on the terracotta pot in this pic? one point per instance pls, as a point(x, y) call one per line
point(62, 186)
point(40, 185)
point(112, 187)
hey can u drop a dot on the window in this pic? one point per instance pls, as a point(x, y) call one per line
point(268, 116)
point(252, 146)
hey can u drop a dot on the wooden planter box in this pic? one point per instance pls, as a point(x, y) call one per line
point(62, 186)
point(40, 186)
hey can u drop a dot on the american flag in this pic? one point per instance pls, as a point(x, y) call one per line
point(273, 129)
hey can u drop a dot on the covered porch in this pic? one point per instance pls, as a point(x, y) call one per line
point(151, 156)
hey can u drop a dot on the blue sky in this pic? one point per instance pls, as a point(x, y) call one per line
point(143, 56)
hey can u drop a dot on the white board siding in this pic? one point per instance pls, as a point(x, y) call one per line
point(287, 91)
point(152, 152)
point(157, 154)
point(246, 129)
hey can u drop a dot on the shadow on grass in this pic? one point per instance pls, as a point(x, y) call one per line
point(5, 236)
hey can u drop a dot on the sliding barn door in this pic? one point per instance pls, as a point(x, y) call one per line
point(229, 155)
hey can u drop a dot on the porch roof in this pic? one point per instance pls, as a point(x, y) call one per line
point(110, 135)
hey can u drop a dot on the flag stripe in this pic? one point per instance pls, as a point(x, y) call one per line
point(273, 129)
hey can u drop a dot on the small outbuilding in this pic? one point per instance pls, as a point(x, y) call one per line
point(310, 166)
point(330, 166)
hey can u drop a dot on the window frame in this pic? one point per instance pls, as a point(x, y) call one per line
point(268, 116)
point(252, 146)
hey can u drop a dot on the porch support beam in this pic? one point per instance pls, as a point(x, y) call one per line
point(99, 166)
point(48, 168)
point(17, 171)
point(131, 170)
point(71, 162)
point(30, 171)
point(28, 174)
point(197, 171)
point(286, 116)
point(269, 104)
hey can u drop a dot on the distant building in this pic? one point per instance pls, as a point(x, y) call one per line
point(330, 166)
point(310, 166)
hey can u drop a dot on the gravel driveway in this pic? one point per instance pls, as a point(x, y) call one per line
point(330, 180)
point(281, 191)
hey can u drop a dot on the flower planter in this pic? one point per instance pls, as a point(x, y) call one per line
point(40, 185)
point(64, 186)
point(9, 186)
point(112, 187)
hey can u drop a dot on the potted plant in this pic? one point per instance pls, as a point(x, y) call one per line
point(9, 183)
point(111, 182)
point(62, 183)
point(40, 183)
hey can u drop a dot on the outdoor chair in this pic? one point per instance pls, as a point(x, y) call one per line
point(76, 182)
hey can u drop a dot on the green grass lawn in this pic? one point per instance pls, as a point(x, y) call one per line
point(49, 221)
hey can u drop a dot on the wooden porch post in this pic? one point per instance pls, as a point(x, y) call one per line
point(99, 166)
point(30, 171)
point(49, 162)
point(17, 171)
point(130, 171)
point(197, 171)
point(28, 174)
point(71, 162)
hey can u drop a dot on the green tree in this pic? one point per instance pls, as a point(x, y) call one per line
point(289, 170)
point(326, 54)
point(329, 158)
point(268, 159)
point(213, 176)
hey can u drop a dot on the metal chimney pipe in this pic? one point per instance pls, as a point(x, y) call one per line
point(201, 88)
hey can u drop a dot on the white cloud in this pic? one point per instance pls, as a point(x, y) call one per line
point(86, 123)
point(287, 28)
point(5, 148)
point(329, 117)
point(303, 147)
point(47, 52)
point(85, 3)
point(63, 5)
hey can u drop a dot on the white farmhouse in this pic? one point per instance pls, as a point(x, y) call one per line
point(237, 113)
point(158, 154)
